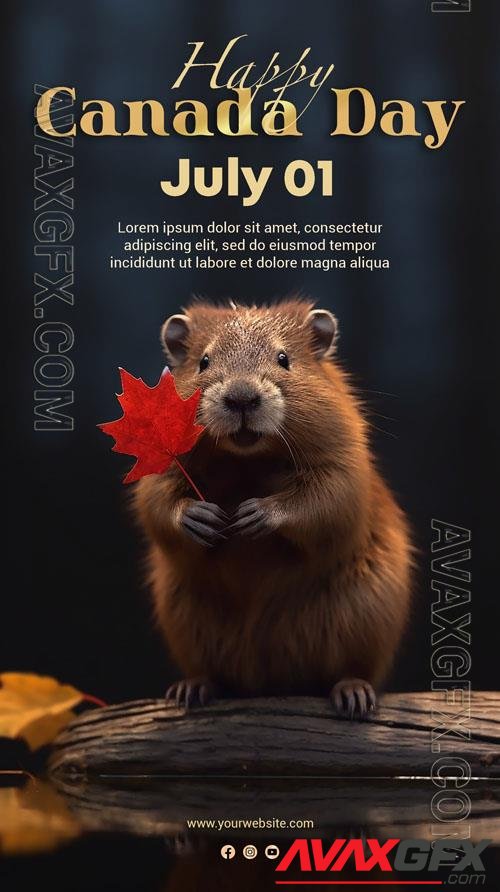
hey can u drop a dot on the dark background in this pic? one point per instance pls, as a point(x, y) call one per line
point(421, 338)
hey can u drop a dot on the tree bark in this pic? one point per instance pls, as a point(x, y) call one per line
point(281, 737)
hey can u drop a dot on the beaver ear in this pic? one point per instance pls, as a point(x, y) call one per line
point(174, 336)
point(325, 328)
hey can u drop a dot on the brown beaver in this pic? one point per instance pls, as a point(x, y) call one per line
point(293, 576)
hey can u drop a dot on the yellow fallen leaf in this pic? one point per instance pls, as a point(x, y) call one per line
point(34, 819)
point(35, 707)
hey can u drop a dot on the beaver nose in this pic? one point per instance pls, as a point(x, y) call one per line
point(242, 400)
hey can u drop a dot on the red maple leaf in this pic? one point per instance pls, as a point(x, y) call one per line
point(157, 425)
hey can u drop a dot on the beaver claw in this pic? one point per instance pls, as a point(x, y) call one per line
point(353, 698)
point(191, 692)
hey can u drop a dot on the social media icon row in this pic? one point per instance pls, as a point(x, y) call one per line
point(249, 852)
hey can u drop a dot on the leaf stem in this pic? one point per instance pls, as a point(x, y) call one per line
point(89, 698)
point(188, 478)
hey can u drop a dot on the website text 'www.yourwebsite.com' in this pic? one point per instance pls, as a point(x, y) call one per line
point(220, 824)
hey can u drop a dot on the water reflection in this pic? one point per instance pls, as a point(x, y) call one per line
point(34, 818)
point(132, 834)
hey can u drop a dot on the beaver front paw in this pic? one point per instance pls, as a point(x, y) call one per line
point(192, 692)
point(252, 518)
point(205, 522)
point(353, 698)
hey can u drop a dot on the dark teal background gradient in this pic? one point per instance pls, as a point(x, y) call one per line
point(421, 338)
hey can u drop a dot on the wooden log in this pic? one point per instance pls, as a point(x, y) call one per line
point(281, 737)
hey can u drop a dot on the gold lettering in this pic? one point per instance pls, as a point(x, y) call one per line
point(105, 113)
point(198, 113)
point(136, 118)
point(288, 114)
point(343, 127)
point(43, 111)
point(441, 125)
point(215, 65)
point(243, 106)
point(406, 113)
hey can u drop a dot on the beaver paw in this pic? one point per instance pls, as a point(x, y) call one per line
point(353, 698)
point(252, 519)
point(205, 522)
point(191, 692)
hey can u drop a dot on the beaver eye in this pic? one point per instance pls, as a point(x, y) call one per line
point(204, 363)
point(283, 360)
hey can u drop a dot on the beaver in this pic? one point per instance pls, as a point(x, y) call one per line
point(293, 577)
